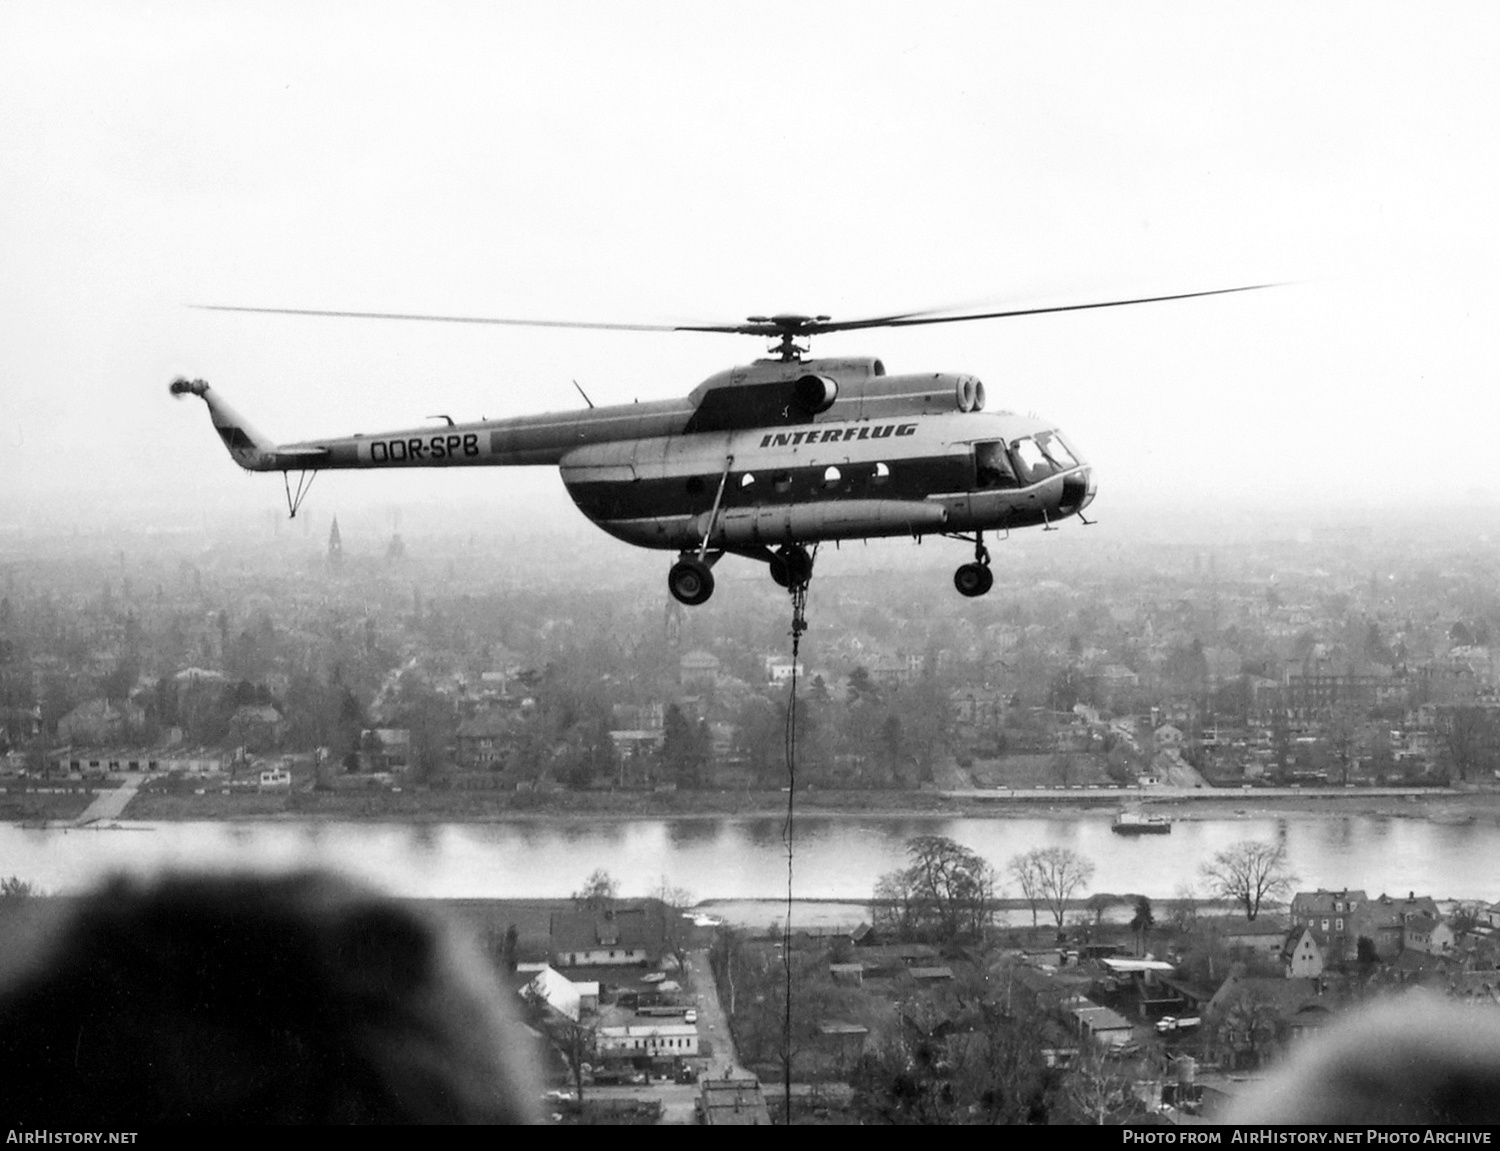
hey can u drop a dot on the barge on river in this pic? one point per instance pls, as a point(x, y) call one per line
point(1138, 823)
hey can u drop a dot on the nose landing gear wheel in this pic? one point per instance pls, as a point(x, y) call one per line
point(973, 580)
point(690, 581)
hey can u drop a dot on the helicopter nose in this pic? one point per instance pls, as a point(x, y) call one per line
point(1077, 491)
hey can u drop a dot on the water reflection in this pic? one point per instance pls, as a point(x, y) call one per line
point(836, 858)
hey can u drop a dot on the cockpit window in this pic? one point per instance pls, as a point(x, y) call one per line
point(991, 468)
point(1056, 450)
point(1032, 464)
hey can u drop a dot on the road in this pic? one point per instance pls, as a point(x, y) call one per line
point(109, 804)
point(713, 1025)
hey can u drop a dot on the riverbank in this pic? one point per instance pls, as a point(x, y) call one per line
point(443, 805)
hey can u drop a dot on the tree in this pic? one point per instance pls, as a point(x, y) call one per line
point(1469, 740)
point(1184, 908)
point(1098, 904)
point(1058, 873)
point(422, 711)
point(1097, 1090)
point(684, 748)
point(862, 687)
point(598, 892)
point(1024, 870)
point(990, 1072)
point(946, 891)
point(577, 1041)
point(1245, 1029)
point(16, 888)
point(679, 929)
point(1143, 921)
point(1250, 872)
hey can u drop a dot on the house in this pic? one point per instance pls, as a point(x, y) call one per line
point(1262, 938)
point(634, 743)
point(482, 739)
point(845, 1041)
point(1104, 1026)
point(1386, 925)
point(621, 936)
point(1428, 935)
point(1340, 917)
point(561, 994)
point(649, 1038)
point(698, 667)
point(732, 1102)
point(1303, 954)
point(890, 671)
point(931, 975)
point(386, 748)
point(779, 670)
point(849, 973)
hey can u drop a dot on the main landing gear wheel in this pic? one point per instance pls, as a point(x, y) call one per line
point(690, 581)
point(791, 566)
point(973, 580)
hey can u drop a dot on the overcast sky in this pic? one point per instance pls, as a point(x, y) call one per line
point(652, 162)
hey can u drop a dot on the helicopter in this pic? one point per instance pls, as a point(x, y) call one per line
point(762, 461)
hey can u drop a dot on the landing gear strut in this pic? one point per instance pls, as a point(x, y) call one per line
point(976, 578)
point(691, 580)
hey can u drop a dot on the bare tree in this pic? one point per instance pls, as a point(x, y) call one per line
point(678, 930)
point(1250, 872)
point(1245, 1029)
point(1060, 873)
point(1184, 908)
point(576, 1040)
point(678, 897)
point(1097, 1090)
point(1024, 870)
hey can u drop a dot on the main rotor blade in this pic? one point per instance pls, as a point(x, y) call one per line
point(453, 319)
point(917, 318)
point(773, 326)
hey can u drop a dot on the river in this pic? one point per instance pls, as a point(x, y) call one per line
point(718, 858)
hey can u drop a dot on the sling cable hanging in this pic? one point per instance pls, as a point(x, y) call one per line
point(797, 586)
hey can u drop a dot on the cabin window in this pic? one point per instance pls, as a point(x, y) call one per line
point(695, 485)
point(784, 482)
point(991, 467)
point(747, 480)
point(832, 478)
point(882, 474)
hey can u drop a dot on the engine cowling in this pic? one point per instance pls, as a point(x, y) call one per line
point(816, 394)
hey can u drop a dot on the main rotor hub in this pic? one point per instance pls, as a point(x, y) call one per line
point(786, 327)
